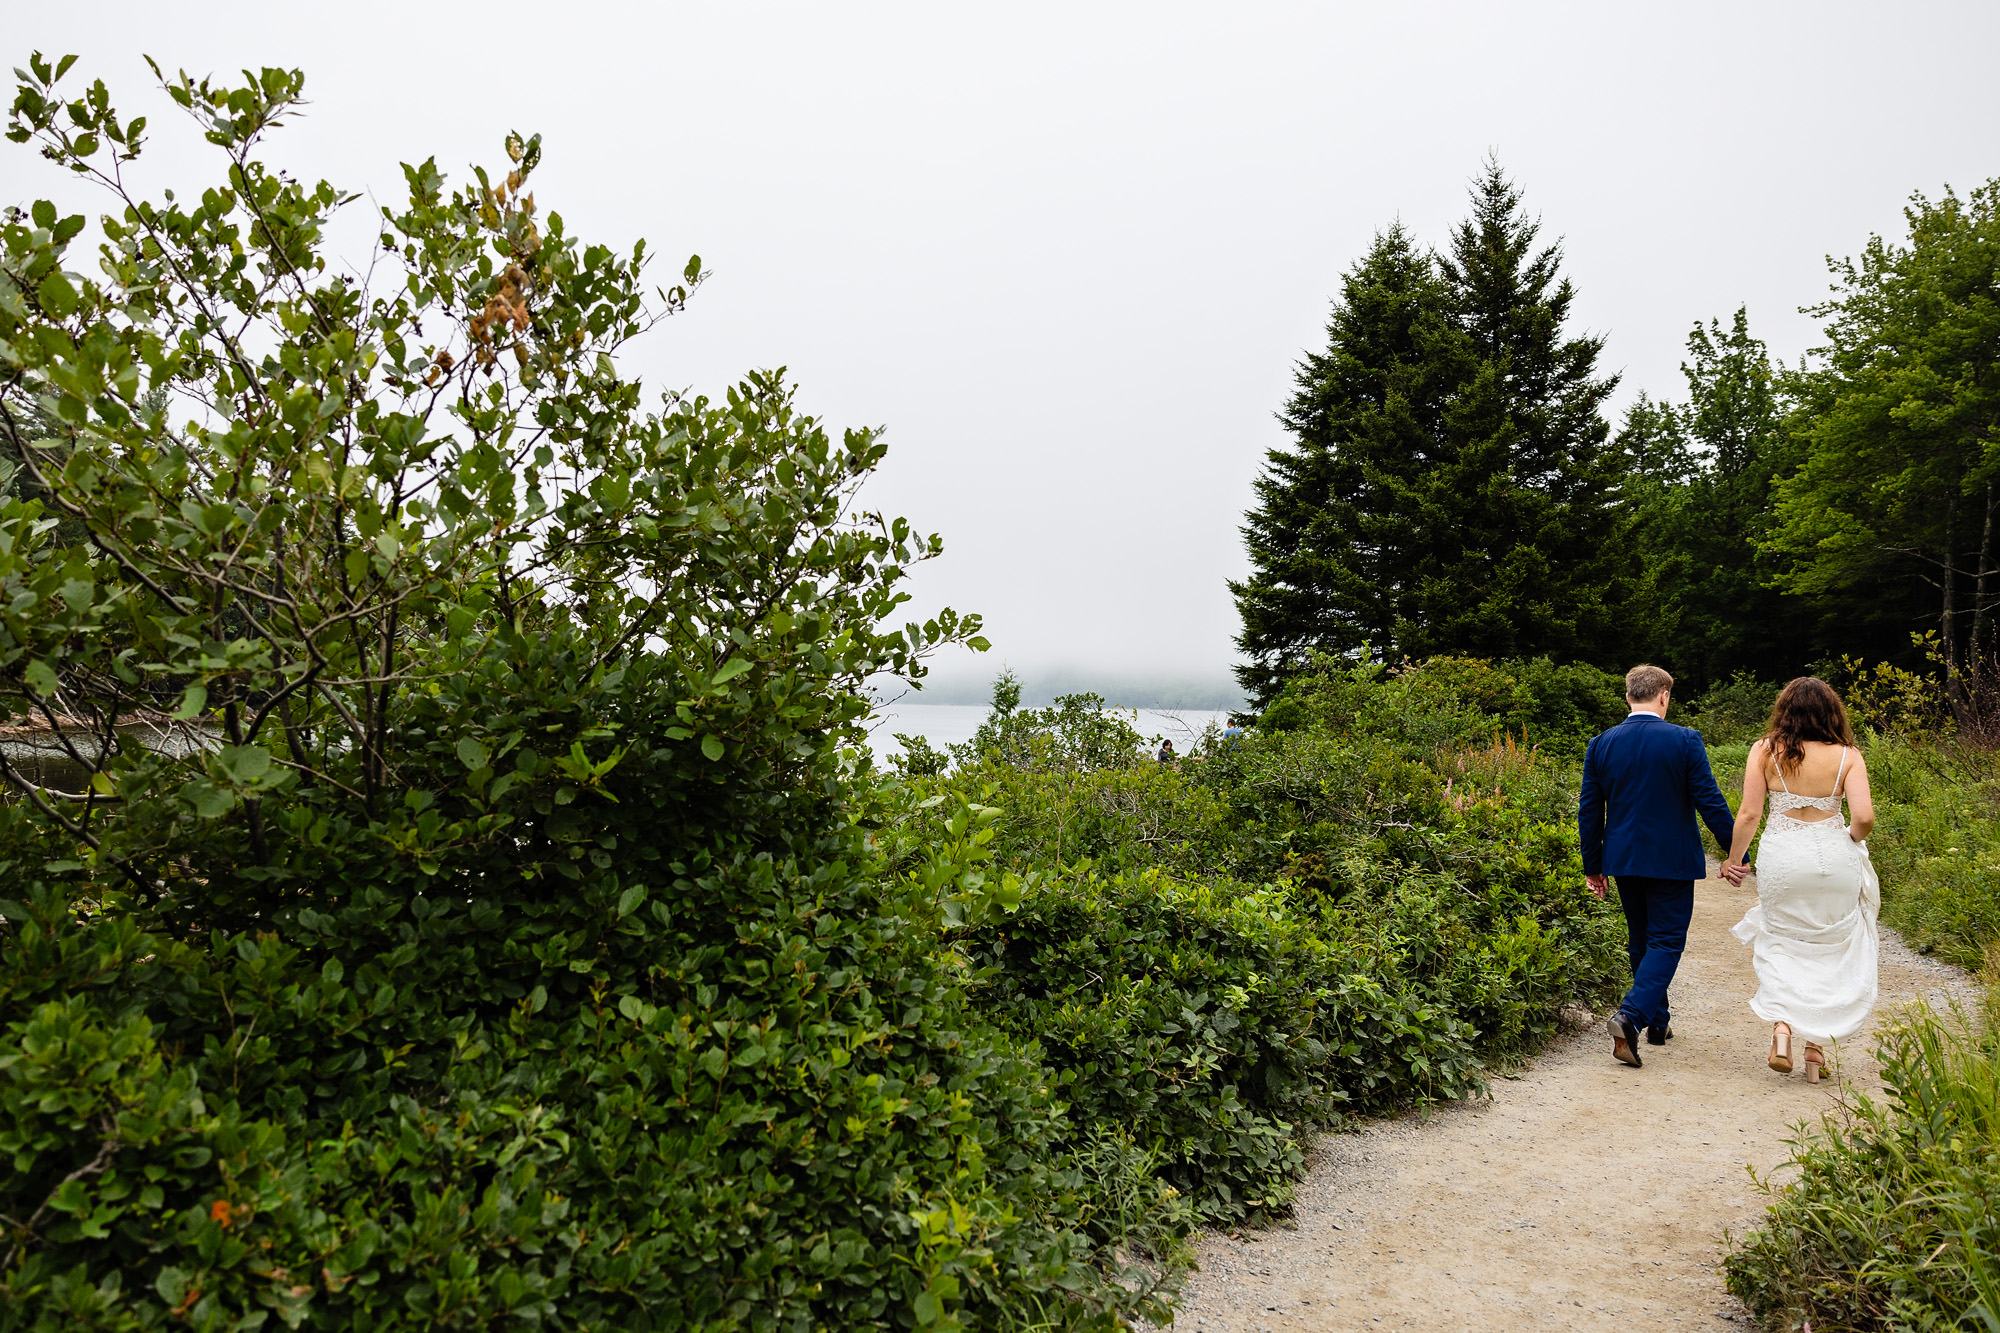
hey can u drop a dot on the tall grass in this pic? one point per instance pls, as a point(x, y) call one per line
point(1937, 844)
point(1891, 1222)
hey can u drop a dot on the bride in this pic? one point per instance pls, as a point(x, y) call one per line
point(1812, 933)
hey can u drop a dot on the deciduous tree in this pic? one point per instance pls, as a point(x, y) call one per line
point(1888, 524)
point(1701, 488)
point(488, 930)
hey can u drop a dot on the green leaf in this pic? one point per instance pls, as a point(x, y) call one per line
point(243, 764)
point(193, 699)
point(44, 680)
point(712, 747)
point(58, 298)
point(72, 1196)
point(731, 669)
point(472, 754)
point(628, 901)
point(211, 800)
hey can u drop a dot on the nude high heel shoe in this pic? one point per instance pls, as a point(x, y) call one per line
point(1780, 1057)
point(1815, 1062)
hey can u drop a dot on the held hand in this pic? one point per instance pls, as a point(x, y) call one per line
point(1598, 884)
point(1735, 872)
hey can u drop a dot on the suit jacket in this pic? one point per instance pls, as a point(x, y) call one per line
point(1643, 782)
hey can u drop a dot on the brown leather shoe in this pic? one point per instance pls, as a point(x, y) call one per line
point(1624, 1040)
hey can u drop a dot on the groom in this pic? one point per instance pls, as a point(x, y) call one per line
point(1643, 781)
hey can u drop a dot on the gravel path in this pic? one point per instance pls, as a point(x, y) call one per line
point(1584, 1195)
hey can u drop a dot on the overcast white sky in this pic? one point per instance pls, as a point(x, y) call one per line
point(1067, 254)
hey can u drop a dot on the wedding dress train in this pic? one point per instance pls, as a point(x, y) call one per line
point(1812, 933)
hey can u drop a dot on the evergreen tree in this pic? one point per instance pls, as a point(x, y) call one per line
point(1341, 515)
point(1452, 487)
point(1526, 557)
point(1655, 448)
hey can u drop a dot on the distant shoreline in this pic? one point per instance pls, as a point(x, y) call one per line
point(1039, 689)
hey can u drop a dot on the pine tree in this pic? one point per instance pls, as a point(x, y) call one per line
point(1452, 487)
point(1527, 557)
point(1340, 519)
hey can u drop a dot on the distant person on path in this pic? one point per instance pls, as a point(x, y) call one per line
point(1812, 933)
point(1643, 781)
point(1166, 752)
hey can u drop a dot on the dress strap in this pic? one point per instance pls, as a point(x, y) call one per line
point(1778, 767)
point(1841, 772)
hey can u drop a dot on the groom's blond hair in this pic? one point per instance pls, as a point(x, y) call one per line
point(1644, 683)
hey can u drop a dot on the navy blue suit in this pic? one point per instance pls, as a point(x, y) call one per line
point(1644, 781)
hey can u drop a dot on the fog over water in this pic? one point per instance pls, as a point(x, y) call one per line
point(1068, 254)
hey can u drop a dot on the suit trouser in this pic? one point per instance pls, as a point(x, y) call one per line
point(1657, 912)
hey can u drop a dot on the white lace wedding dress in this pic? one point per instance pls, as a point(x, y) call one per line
point(1812, 933)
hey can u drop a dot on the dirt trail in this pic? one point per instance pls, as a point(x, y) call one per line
point(1585, 1195)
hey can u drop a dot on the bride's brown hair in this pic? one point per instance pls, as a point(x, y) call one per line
point(1807, 710)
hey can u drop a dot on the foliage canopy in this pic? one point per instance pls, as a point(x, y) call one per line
point(469, 911)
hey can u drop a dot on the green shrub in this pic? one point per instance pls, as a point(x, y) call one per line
point(1449, 701)
point(919, 759)
point(1078, 732)
point(1733, 713)
point(503, 938)
point(1344, 918)
point(1937, 843)
point(1129, 817)
point(1216, 1021)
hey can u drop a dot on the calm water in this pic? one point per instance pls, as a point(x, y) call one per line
point(954, 724)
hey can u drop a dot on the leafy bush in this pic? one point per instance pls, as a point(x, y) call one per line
point(1078, 732)
point(1937, 843)
point(1216, 1021)
point(1447, 701)
point(493, 930)
point(1344, 918)
point(1733, 713)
